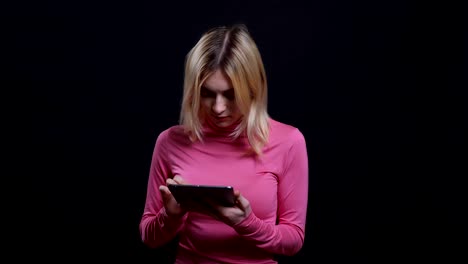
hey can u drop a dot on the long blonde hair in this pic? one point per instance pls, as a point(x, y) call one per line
point(233, 51)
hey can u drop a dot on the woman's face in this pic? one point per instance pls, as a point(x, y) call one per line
point(218, 100)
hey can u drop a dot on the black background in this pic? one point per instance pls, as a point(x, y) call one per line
point(377, 87)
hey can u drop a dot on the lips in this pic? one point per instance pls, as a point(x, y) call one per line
point(224, 118)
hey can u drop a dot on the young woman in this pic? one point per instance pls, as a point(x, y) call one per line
point(226, 137)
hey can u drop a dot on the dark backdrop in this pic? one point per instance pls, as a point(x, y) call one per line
point(376, 87)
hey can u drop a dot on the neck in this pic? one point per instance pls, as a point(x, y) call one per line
point(211, 128)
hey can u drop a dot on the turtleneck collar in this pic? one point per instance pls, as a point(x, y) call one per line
point(209, 128)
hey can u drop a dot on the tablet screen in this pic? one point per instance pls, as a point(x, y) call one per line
point(191, 195)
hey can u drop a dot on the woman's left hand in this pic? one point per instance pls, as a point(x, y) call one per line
point(234, 214)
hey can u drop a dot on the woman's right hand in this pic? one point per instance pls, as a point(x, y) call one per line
point(170, 204)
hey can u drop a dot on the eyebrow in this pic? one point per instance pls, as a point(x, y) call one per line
point(225, 92)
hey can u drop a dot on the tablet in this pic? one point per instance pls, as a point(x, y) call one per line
point(192, 195)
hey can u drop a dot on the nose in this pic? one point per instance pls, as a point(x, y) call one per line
point(219, 105)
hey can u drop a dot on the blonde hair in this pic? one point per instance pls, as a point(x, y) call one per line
point(233, 51)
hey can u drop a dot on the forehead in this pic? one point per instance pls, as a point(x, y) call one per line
point(218, 82)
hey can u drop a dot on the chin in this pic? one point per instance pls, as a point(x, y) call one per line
point(223, 124)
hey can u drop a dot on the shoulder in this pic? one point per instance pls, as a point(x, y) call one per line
point(282, 132)
point(172, 135)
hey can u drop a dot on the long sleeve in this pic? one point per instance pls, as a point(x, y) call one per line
point(276, 184)
point(156, 227)
point(287, 236)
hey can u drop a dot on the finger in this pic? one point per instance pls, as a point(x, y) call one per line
point(178, 179)
point(242, 203)
point(170, 181)
point(165, 193)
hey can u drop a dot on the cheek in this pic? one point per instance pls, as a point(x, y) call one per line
point(234, 108)
point(205, 104)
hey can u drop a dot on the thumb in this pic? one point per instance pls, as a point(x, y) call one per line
point(165, 193)
point(242, 202)
point(178, 179)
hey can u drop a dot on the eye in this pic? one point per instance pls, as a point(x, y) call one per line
point(205, 93)
point(229, 94)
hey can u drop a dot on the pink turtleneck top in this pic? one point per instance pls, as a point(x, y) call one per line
point(276, 185)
